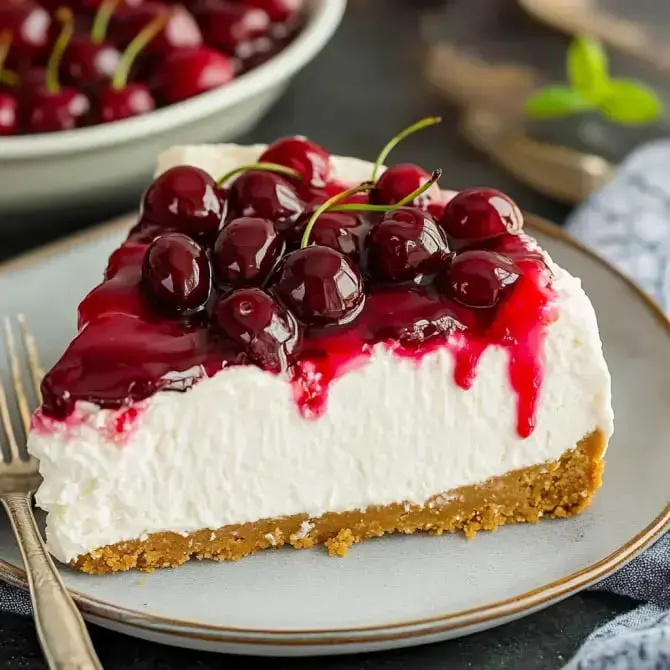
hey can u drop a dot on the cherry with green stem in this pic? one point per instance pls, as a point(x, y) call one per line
point(89, 60)
point(403, 178)
point(120, 99)
point(55, 107)
point(9, 106)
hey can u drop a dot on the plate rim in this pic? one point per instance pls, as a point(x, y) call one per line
point(481, 615)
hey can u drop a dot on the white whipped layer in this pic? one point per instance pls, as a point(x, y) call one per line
point(235, 448)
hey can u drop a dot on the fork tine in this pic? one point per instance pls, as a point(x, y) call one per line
point(14, 453)
point(36, 371)
point(17, 382)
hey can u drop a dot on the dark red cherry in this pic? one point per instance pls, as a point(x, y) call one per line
point(86, 64)
point(479, 214)
point(343, 231)
point(320, 286)
point(254, 321)
point(31, 82)
point(112, 104)
point(180, 31)
point(62, 110)
point(245, 251)
point(478, 278)
point(186, 199)
point(405, 245)
point(399, 181)
point(189, 72)
point(279, 11)
point(310, 160)
point(176, 273)
point(264, 194)
point(230, 26)
point(9, 115)
point(28, 24)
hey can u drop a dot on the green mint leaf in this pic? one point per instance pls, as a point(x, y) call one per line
point(587, 68)
point(555, 102)
point(630, 102)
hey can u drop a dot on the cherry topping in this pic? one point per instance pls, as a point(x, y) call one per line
point(310, 160)
point(398, 181)
point(264, 194)
point(55, 107)
point(189, 72)
point(406, 244)
point(479, 278)
point(320, 286)
point(176, 272)
point(231, 27)
point(254, 321)
point(186, 199)
point(245, 251)
point(279, 11)
point(479, 214)
point(343, 231)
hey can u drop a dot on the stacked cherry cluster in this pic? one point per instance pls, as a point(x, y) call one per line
point(97, 61)
point(268, 256)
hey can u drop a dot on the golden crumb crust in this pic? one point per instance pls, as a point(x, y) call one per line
point(559, 488)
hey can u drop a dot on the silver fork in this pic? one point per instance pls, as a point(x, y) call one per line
point(60, 628)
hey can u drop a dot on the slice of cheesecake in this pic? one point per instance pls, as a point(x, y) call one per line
point(253, 372)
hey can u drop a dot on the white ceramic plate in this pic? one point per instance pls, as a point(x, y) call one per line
point(395, 591)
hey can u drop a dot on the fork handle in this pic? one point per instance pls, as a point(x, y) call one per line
point(60, 628)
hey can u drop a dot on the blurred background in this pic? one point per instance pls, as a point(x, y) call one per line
point(349, 78)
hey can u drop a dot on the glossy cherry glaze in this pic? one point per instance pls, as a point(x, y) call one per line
point(185, 199)
point(310, 160)
point(254, 322)
point(399, 181)
point(405, 245)
point(264, 194)
point(479, 214)
point(245, 252)
point(319, 314)
point(176, 274)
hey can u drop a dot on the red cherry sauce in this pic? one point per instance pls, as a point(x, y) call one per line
point(127, 349)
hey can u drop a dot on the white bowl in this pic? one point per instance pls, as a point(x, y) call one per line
point(79, 168)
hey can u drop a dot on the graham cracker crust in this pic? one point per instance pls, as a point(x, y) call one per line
point(560, 488)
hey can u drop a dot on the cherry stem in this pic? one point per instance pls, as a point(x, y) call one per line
point(328, 204)
point(424, 123)
point(5, 46)
point(9, 78)
point(267, 167)
point(66, 17)
point(133, 50)
point(101, 21)
point(362, 207)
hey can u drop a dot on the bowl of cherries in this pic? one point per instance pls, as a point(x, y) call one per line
point(90, 90)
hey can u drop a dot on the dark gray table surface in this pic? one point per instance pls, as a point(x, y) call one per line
point(359, 91)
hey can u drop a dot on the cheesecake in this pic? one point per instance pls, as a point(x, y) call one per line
point(293, 348)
